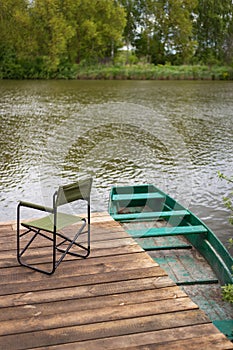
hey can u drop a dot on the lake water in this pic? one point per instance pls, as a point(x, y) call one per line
point(174, 134)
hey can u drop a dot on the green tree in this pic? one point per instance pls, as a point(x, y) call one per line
point(213, 29)
point(51, 30)
point(98, 26)
point(167, 30)
point(132, 10)
point(179, 29)
point(13, 21)
point(38, 37)
point(15, 34)
point(228, 40)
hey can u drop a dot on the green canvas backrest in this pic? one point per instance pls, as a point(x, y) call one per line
point(74, 191)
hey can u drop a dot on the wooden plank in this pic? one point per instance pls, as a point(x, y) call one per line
point(82, 280)
point(9, 259)
point(5, 228)
point(102, 329)
point(101, 217)
point(24, 275)
point(85, 291)
point(99, 248)
point(166, 336)
point(216, 341)
point(79, 304)
point(209, 298)
point(104, 314)
point(99, 232)
point(10, 245)
point(85, 267)
point(184, 266)
point(163, 243)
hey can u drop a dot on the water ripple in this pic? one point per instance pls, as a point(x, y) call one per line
point(172, 134)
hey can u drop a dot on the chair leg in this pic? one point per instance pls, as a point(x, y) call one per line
point(72, 242)
point(38, 269)
point(20, 253)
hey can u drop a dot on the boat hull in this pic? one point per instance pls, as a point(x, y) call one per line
point(142, 203)
point(181, 243)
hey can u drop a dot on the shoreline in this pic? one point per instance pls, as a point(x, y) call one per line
point(127, 72)
point(159, 72)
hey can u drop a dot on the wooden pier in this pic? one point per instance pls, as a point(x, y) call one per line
point(118, 298)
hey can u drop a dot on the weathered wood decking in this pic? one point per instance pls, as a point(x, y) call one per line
point(118, 298)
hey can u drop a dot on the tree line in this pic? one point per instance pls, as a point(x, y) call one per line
point(49, 38)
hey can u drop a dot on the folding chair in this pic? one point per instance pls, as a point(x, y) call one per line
point(49, 229)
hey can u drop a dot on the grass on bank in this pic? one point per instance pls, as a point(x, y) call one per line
point(40, 69)
point(159, 72)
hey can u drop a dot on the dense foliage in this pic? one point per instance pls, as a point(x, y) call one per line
point(50, 38)
point(45, 38)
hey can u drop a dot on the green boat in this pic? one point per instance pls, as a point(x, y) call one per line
point(181, 243)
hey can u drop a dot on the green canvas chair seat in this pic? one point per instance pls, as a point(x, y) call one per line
point(47, 223)
point(50, 228)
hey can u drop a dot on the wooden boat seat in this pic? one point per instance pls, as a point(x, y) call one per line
point(136, 196)
point(151, 215)
point(168, 231)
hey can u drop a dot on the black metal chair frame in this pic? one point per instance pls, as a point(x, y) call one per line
point(49, 226)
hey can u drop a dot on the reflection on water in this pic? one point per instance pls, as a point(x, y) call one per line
point(176, 135)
